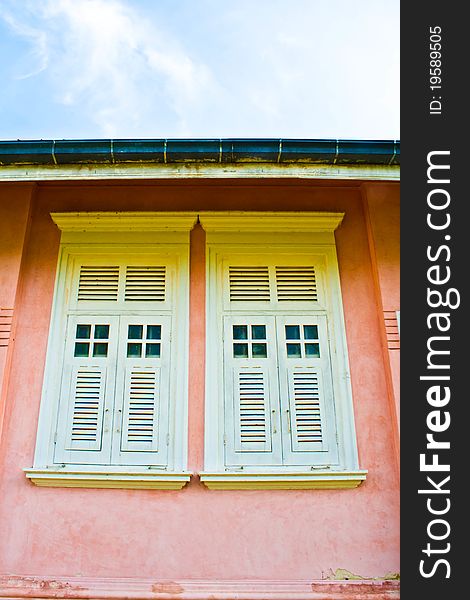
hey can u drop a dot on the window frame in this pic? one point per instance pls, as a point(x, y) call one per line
point(116, 235)
point(237, 234)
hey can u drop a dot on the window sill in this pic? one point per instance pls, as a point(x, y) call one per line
point(283, 481)
point(81, 478)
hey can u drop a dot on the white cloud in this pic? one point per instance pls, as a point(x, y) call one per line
point(105, 59)
point(120, 68)
point(39, 55)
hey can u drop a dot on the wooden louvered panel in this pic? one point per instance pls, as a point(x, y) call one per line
point(98, 284)
point(306, 418)
point(249, 284)
point(87, 412)
point(145, 284)
point(141, 410)
point(391, 330)
point(296, 284)
point(254, 430)
point(6, 320)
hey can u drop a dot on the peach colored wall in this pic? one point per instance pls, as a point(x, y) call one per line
point(15, 202)
point(384, 211)
point(382, 207)
point(14, 210)
point(197, 533)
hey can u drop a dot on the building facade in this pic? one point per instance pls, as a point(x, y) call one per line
point(199, 369)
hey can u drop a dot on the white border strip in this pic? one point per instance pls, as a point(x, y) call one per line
point(86, 588)
point(197, 171)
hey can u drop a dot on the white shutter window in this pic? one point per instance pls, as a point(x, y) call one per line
point(286, 420)
point(143, 391)
point(279, 405)
point(258, 284)
point(85, 423)
point(145, 283)
point(305, 409)
point(98, 283)
point(249, 284)
point(140, 418)
point(122, 283)
point(114, 407)
point(252, 409)
point(87, 393)
point(296, 284)
point(114, 403)
point(251, 391)
point(306, 390)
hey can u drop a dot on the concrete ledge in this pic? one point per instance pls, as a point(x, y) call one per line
point(94, 479)
point(327, 480)
point(151, 589)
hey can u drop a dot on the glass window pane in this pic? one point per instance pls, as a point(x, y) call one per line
point(293, 350)
point(240, 350)
point(292, 332)
point(154, 332)
point(312, 350)
point(81, 349)
point(152, 351)
point(259, 350)
point(240, 332)
point(134, 350)
point(311, 332)
point(101, 332)
point(135, 332)
point(100, 349)
point(258, 332)
point(83, 332)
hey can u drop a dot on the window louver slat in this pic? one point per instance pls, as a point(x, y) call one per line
point(145, 284)
point(296, 284)
point(249, 284)
point(140, 420)
point(87, 410)
point(98, 284)
point(252, 399)
point(307, 423)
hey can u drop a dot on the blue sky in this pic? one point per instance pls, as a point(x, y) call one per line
point(199, 68)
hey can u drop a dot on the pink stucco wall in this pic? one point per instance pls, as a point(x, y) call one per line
point(382, 209)
point(197, 533)
point(15, 203)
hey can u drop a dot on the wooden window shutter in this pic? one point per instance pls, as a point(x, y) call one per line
point(306, 390)
point(270, 284)
point(279, 409)
point(249, 284)
point(296, 284)
point(305, 408)
point(87, 407)
point(121, 282)
point(83, 432)
point(143, 391)
point(98, 283)
point(251, 393)
point(141, 409)
point(145, 284)
point(114, 403)
point(252, 410)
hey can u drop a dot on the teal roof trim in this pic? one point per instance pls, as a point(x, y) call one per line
point(225, 151)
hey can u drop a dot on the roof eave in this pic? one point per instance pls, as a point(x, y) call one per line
point(228, 151)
